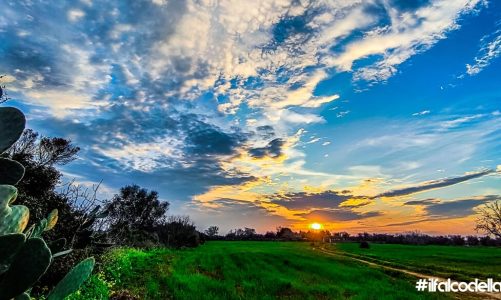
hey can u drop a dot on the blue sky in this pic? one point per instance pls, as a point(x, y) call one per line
point(380, 115)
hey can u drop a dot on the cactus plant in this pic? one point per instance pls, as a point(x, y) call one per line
point(25, 257)
point(11, 126)
point(10, 244)
point(73, 280)
point(27, 266)
point(52, 219)
point(13, 219)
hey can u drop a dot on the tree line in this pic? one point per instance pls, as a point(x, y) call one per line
point(409, 238)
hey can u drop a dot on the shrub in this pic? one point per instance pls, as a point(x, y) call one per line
point(178, 231)
point(364, 245)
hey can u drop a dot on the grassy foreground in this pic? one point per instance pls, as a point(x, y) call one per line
point(460, 263)
point(244, 270)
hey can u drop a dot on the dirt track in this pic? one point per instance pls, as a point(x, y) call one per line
point(411, 273)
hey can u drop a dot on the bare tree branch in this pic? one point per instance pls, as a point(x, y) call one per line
point(489, 220)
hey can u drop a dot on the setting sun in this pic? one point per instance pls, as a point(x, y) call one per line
point(316, 226)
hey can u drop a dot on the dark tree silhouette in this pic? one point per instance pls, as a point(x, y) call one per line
point(133, 212)
point(212, 231)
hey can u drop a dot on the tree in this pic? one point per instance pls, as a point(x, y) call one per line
point(285, 233)
point(134, 211)
point(43, 151)
point(178, 231)
point(212, 231)
point(489, 220)
point(38, 189)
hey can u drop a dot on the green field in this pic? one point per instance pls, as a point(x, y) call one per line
point(245, 270)
point(460, 263)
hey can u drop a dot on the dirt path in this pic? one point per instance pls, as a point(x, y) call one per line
point(408, 272)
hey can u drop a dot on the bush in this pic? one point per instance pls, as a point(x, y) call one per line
point(178, 231)
point(364, 245)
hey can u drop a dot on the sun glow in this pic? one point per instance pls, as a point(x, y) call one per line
point(316, 226)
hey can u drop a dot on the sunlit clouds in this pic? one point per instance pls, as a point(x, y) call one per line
point(271, 113)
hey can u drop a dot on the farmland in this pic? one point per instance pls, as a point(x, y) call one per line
point(245, 270)
point(460, 263)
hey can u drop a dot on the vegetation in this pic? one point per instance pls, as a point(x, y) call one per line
point(133, 216)
point(489, 220)
point(243, 270)
point(25, 256)
point(460, 263)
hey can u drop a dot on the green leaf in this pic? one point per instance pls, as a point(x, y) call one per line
point(73, 280)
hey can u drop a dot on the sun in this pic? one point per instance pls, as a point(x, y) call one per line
point(316, 226)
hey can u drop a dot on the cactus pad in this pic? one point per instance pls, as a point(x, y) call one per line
point(28, 265)
point(9, 246)
point(73, 280)
point(8, 194)
point(15, 221)
point(23, 296)
point(12, 122)
point(39, 228)
point(52, 219)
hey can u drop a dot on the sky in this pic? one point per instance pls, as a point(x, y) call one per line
point(373, 115)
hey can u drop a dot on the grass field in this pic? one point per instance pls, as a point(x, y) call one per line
point(460, 263)
point(245, 270)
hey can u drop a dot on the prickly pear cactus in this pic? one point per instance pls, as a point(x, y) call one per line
point(24, 257)
point(11, 126)
point(52, 219)
point(27, 266)
point(13, 219)
point(10, 244)
point(73, 280)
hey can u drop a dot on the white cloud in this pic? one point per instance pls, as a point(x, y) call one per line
point(408, 34)
point(421, 113)
point(312, 141)
point(145, 157)
point(75, 15)
point(459, 121)
point(490, 49)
